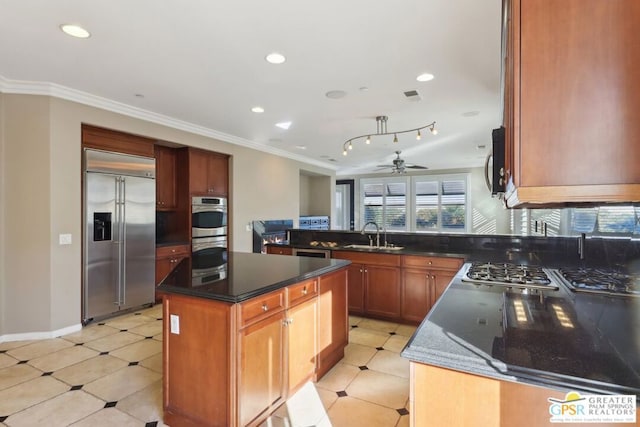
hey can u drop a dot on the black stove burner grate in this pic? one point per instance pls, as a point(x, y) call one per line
point(508, 274)
point(601, 281)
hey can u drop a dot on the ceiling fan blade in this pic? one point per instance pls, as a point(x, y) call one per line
point(386, 166)
point(415, 167)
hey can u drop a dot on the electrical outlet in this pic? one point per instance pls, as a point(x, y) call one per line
point(175, 324)
point(64, 239)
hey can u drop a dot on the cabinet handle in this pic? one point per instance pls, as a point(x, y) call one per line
point(264, 307)
point(430, 262)
point(304, 291)
point(173, 250)
point(433, 277)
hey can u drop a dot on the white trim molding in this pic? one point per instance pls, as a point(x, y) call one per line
point(40, 335)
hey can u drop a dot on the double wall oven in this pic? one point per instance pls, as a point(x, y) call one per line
point(209, 236)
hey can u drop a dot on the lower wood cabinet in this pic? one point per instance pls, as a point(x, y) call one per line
point(234, 364)
point(279, 250)
point(167, 257)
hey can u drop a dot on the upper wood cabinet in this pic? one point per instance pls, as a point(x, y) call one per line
point(165, 178)
point(208, 173)
point(572, 101)
point(119, 142)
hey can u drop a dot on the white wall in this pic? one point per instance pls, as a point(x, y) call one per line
point(40, 191)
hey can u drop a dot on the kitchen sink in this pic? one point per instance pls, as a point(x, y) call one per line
point(375, 248)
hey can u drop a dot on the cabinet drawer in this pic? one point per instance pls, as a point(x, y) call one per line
point(261, 306)
point(368, 258)
point(431, 262)
point(301, 292)
point(169, 251)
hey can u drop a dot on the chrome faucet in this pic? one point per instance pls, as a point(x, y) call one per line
point(377, 233)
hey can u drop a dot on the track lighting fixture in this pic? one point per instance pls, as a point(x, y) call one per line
point(381, 129)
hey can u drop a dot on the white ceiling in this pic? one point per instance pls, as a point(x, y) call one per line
point(202, 62)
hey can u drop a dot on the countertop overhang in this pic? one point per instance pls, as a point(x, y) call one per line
point(248, 275)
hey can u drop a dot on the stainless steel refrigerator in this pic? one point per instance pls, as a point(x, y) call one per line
point(119, 233)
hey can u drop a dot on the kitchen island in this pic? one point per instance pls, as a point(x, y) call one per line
point(242, 337)
point(492, 355)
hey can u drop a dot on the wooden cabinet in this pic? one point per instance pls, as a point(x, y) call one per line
point(571, 103)
point(234, 364)
point(424, 279)
point(374, 283)
point(119, 142)
point(208, 173)
point(167, 257)
point(166, 159)
point(279, 250)
point(333, 320)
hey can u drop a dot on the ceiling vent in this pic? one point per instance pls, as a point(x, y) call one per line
point(412, 95)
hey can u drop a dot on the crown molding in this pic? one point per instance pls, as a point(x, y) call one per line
point(54, 90)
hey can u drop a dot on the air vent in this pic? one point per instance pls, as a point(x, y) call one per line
point(412, 95)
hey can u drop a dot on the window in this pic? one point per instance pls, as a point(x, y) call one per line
point(440, 203)
point(419, 203)
point(606, 220)
point(385, 202)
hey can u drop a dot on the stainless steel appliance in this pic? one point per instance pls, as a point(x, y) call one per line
point(600, 281)
point(208, 253)
point(508, 275)
point(119, 233)
point(208, 216)
point(313, 253)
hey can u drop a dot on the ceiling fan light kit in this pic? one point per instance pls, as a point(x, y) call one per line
point(381, 130)
point(399, 166)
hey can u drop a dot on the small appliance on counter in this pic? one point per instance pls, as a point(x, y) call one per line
point(119, 233)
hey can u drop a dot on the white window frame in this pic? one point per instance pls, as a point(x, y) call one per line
point(439, 178)
point(397, 179)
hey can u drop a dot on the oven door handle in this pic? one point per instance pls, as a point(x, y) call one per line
point(195, 247)
point(207, 208)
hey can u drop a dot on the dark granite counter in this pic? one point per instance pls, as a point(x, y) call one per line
point(563, 340)
point(245, 275)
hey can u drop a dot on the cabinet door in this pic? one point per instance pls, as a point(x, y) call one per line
point(382, 291)
point(333, 320)
point(198, 176)
point(166, 160)
point(440, 280)
point(416, 294)
point(356, 288)
point(261, 367)
point(277, 250)
point(302, 329)
point(218, 174)
point(208, 173)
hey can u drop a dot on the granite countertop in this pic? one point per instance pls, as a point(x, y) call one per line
point(564, 340)
point(245, 275)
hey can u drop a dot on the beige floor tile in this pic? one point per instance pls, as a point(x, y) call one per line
point(128, 321)
point(305, 408)
point(396, 343)
point(6, 360)
point(90, 370)
point(276, 421)
point(378, 325)
point(146, 404)
point(63, 358)
point(328, 397)
point(138, 351)
point(354, 320)
point(339, 377)
point(148, 329)
point(122, 383)
point(390, 363)
point(368, 337)
point(39, 348)
point(4, 346)
point(404, 421)
point(26, 394)
point(109, 417)
point(406, 330)
point(17, 374)
point(379, 388)
point(90, 333)
point(62, 410)
point(358, 354)
point(158, 337)
point(154, 363)
point(352, 412)
point(154, 312)
point(113, 342)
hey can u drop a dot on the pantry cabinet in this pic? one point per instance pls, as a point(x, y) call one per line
point(208, 173)
point(166, 163)
point(572, 101)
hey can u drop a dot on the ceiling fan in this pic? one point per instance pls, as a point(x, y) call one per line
point(399, 165)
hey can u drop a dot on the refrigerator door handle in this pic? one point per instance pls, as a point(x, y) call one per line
point(119, 221)
point(123, 281)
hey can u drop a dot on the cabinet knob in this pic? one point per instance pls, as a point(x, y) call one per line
point(430, 262)
point(433, 277)
point(265, 307)
point(173, 250)
point(304, 291)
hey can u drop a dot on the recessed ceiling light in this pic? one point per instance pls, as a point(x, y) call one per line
point(363, 89)
point(284, 125)
point(138, 95)
point(75, 31)
point(425, 77)
point(257, 109)
point(335, 94)
point(275, 58)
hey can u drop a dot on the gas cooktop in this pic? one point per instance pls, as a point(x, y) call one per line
point(509, 275)
point(601, 281)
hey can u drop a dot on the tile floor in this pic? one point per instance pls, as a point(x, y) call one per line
point(110, 374)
